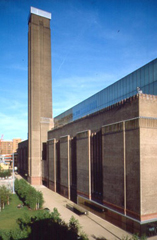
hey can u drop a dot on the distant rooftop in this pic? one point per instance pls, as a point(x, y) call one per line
point(39, 12)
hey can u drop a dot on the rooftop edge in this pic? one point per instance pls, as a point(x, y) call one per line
point(39, 12)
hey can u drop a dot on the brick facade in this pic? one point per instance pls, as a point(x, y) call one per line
point(109, 158)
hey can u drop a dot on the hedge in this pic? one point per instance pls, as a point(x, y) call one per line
point(28, 194)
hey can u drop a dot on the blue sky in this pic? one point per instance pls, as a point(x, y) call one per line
point(94, 43)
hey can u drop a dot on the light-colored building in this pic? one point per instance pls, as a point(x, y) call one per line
point(16, 141)
point(9, 146)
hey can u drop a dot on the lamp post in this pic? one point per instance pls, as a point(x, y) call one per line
point(13, 175)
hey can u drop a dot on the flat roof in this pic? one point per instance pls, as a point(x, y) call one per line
point(39, 12)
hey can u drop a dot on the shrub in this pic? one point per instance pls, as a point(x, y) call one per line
point(5, 173)
point(74, 225)
point(134, 237)
point(28, 194)
point(83, 236)
point(5, 235)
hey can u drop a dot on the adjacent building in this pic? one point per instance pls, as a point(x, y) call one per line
point(7, 149)
point(9, 146)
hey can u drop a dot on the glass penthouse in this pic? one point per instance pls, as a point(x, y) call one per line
point(145, 78)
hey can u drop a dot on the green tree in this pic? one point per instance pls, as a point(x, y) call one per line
point(55, 215)
point(39, 200)
point(30, 199)
point(74, 225)
point(5, 195)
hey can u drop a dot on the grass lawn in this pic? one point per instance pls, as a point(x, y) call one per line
point(11, 213)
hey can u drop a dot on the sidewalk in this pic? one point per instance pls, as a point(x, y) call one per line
point(94, 226)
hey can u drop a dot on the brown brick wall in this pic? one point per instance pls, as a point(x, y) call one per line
point(132, 145)
point(148, 106)
point(39, 91)
point(52, 164)
point(122, 153)
point(23, 158)
point(148, 146)
point(64, 166)
point(83, 163)
point(123, 110)
point(113, 165)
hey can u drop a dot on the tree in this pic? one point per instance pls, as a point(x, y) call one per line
point(74, 225)
point(30, 199)
point(5, 195)
point(39, 200)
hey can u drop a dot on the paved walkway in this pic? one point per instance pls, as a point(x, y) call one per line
point(94, 226)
